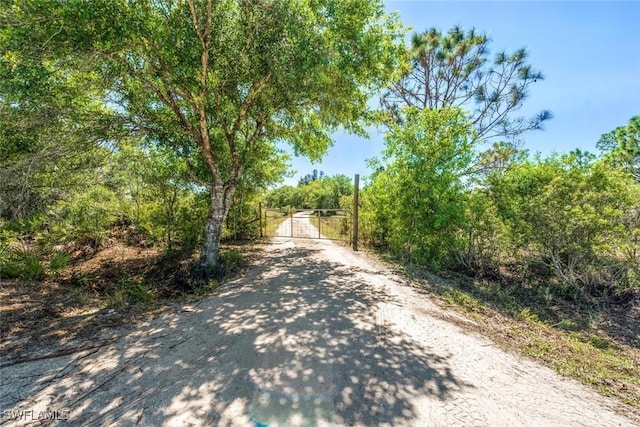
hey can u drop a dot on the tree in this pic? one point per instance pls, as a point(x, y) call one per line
point(53, 124)
point(313, 176)
point(340, 186)
point(570, 210)
point(323, 193)
point(621, 147)
point(454, 70)
point(418, 189)
point(220, 81)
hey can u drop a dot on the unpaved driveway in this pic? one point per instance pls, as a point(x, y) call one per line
point(314, 334)
point(299, 226)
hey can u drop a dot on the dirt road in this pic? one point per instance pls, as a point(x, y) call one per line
point(314, 334)
point(299, 226)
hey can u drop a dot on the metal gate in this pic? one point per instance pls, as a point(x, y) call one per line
point(333, 224)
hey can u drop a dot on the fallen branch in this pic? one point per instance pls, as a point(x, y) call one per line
point(60, 353)
point(99, 386)
point(120, 370)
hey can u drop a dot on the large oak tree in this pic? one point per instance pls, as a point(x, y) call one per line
point(221, 81)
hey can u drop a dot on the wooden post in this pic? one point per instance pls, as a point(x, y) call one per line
point(260, 218)
point(319, 220)
point(356, 184)
point(291, 217)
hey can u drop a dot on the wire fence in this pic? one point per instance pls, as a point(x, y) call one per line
point(331, 224)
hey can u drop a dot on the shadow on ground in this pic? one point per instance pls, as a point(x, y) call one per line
point(298, 341)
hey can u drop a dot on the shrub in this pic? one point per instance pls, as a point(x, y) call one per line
point(84, 218)
point(574, 214)
point(21, 263)
point(233, 261)
point(58, 261)
point(417, 193)
point(482, 236)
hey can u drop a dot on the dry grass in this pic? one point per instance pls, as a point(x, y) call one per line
point(273, 219)
point(589, 355)
point(335, 227)
point(115, 286)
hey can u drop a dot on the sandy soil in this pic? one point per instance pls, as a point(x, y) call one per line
point(314, 334)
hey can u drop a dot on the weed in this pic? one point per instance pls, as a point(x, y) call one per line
point(463, 299)
point(203, 289)
point(78, 280)
point(529, 317)
point(540, 323)
point(140, 291)
point(132, 291)
point(232, 261)
point(58, 261)
point(598, 342)
point(570, 325)
point(22, 263)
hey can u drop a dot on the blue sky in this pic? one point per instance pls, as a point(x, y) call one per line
point(588, 51)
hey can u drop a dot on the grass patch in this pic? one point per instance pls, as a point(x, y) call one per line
point(59, 261)
point(233, 262)
point(132, 291)
point(570, 346)
point(462, 299)
point(335, 227)
point(272, 221)
point(25, 264)
point(588, 359)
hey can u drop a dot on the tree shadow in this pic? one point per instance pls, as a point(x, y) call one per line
point(298, 341)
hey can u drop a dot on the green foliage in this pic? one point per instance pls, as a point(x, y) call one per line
point(325, 192)
point(417, 194)
point(569, 210)
point(243, 221)
point(158, 197)
point(132, 291)
point(213, 84)
point(58, 261)
point(84, 218)
point(285, 196)
point(621, 147)
point(455, 70)
point(482, 236)
point(53, 122)
point(233, 262)
point(375, 212)
point(463, 299)
point(310, 177)
point(21, 263)
point(568, 225)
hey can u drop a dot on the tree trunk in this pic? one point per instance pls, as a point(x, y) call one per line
point(218, 210)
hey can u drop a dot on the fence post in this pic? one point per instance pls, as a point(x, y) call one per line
point(260, 218)
point(319, 221)
point(291, 222)
point(356, 184)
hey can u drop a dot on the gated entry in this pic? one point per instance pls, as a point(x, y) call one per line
point(334, 224)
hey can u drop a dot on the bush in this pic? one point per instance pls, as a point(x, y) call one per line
point(232, 261)
point(58, 261)
point(132, 291)
point(21, 263)
point(482, 235)
point(85, 218)
point(572, 213)
point(416, 197)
